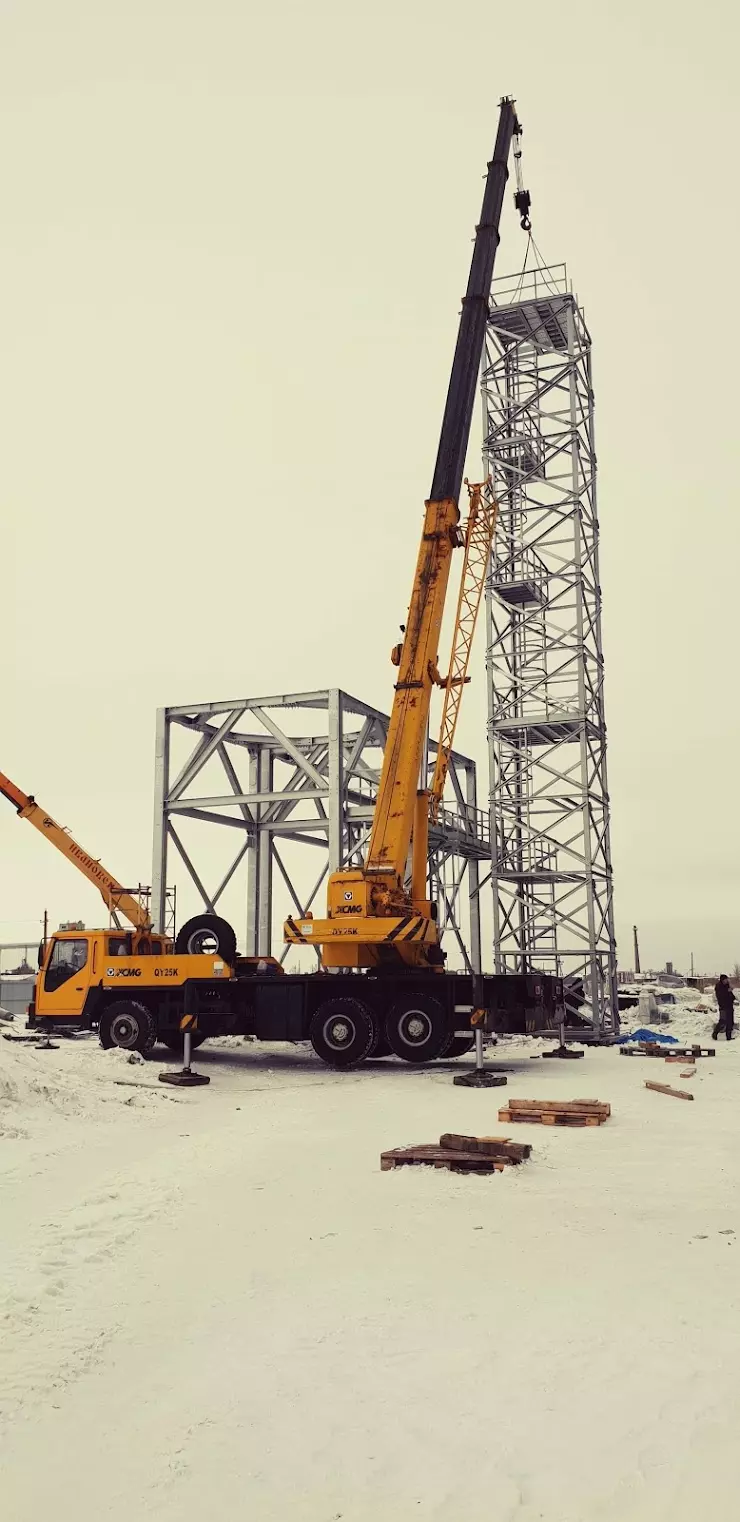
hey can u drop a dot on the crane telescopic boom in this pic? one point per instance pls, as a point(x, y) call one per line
point(371, 917)
point(394, 812)
point(116, 898)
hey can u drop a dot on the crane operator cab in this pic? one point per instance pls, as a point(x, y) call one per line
point(75, 961)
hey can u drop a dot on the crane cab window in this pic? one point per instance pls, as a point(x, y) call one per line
point(119, 945)
point(67, 959)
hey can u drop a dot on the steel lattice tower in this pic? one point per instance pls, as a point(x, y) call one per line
point(550, 860)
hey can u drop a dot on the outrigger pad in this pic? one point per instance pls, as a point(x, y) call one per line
point(184, 1080)
point(564, 1052)
point(480, 1078)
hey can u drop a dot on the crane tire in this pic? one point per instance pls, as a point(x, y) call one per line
point(343, 1032)
point(207, 934)
point(417, 1029)
point(460, 1046)
point(129, 1025)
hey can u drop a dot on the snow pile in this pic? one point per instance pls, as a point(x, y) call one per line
point(73, 1081)
point(116, 1058)
point(26, 1078)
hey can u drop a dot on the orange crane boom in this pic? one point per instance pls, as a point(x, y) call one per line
point(372, 918)
point(116, 898)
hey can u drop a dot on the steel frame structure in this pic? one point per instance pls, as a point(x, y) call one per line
point(551, 870)
point(298, 770)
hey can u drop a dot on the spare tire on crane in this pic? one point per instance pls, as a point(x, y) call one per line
point(207, 935)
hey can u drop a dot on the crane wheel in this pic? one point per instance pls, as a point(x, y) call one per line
point(417, 1029)
point(460, 1046)
point(128, 1024)
point(343, 1032)
point(207, 935)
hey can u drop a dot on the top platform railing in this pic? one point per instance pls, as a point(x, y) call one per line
point(535, 284)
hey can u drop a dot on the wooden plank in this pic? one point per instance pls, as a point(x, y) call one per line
point(687, 1073)
point(565, 1119)
point(663, 1088)
point(489, 1146)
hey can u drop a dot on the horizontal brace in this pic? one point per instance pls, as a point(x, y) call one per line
point(284, 700)
point(300, 826)
point(226, 800)
point(183, 810)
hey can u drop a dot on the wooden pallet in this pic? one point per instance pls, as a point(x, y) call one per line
point(670, 1054)
point(433, 1156)
point(683, 1053)
point(556, 1112)
point(460, 1154)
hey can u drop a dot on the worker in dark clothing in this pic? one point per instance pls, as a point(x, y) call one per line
point(726, 1005)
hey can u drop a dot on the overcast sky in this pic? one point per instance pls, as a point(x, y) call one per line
point(233, 238)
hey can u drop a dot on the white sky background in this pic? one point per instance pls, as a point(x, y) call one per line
point(233, 239)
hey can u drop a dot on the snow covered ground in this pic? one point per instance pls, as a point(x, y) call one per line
point(214, 1304)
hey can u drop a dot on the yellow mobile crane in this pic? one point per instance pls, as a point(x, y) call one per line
point(131, 984)
point(373, 918)
point(381, 987)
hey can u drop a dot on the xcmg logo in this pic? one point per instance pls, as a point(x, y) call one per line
point(123, 972)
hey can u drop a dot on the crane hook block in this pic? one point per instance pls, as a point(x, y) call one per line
point(523, 201)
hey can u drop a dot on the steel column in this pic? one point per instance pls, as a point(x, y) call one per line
point(160, 834)
point(336, 781)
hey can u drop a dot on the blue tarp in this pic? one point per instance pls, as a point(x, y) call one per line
point(645, 1035)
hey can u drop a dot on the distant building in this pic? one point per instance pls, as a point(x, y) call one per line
point(16, 992)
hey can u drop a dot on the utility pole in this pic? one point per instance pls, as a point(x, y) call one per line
point(637, 949)
point(692, 965)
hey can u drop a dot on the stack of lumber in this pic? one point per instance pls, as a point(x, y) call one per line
point(460, 1154)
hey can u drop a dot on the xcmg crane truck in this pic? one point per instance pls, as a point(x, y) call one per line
point(381, 986)
point(376, 920)
point(130, 983)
